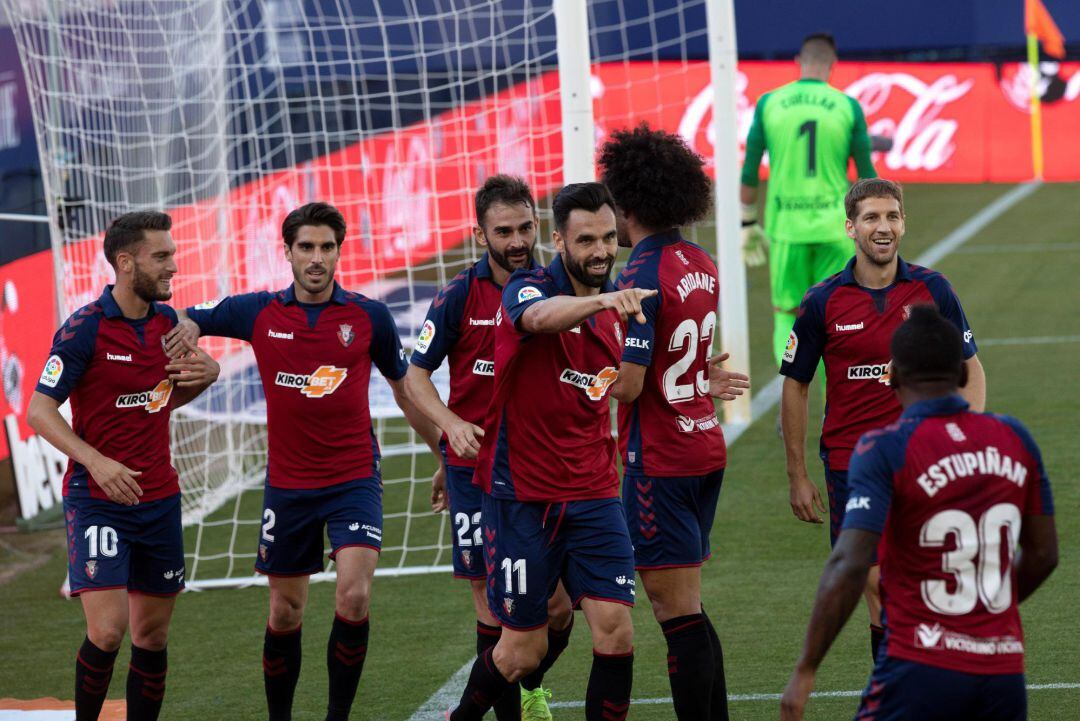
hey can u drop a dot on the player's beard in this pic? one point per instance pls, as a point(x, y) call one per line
point(871, 252)
point(147, 287)
point(313, 285)
point(585, 277)
point(506, 264)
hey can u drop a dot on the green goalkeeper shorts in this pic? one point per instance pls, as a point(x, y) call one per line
point(794, 267)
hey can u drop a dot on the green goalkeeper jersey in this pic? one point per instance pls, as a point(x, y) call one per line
point(810, 129)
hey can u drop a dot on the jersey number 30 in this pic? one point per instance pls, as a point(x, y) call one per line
point(976, 563)
point(686, 337)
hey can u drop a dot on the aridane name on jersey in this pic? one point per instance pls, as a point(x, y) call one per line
point(152, 400)
point(595, 386)
point(322, 382)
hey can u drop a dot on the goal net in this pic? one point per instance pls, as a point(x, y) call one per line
point(230, 113)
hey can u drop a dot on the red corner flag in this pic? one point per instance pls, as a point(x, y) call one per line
point(1037, 22)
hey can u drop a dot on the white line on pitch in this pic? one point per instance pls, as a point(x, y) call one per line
point(1017, 248)
point(1033, 340)
point(762, 402)
point(816, 694)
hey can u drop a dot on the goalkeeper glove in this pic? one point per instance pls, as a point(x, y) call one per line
point(755, 244)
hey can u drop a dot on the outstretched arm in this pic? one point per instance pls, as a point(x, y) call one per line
point(842, 583)
point(563, 312)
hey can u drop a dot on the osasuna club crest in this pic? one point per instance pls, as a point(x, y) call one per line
point(466, 556)
point(91, 569)
point(508, 606)
point(345, 334)
point(263, 551)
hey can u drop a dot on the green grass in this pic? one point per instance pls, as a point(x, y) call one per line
point(760, 585)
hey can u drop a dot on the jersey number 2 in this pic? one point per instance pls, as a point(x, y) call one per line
point(987, 578)
point(686, 337)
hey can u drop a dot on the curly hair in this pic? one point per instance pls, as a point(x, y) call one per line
point(655, 177)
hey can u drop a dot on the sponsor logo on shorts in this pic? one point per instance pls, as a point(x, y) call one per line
point(372, 532)
point(207, 304)
point(427, 334)
point(118, 357)
point(624, 580)
point(170, 574)
point(528, 292)
point(858, 503)
point(483, 367)
point(354, 526)
point(280, 335)
point(322, 382)
point(54, 368)
point(151, 401)
point(845, 328)
point(873, 371)
point(791, 347)
point(595, 386)
point(690, 425)
point(91, 569)
point(345, 335)
point(936, 638)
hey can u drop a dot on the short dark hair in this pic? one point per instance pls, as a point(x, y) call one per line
point(871, 188)
point(313, 214)
point(505, 189)
point(818, 48)
point(127, 231)
point(654, 176)
point(927, 348)
point(590, 197)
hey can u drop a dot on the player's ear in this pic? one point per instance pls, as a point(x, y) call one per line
point(849, 226)
point(479, 237)
point(288, 252)
point(557, 240)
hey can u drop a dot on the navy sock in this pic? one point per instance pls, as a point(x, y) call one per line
point(485, 686)
point(93, 672)
point(719, 705)
point(690, 665)
point(607, 697)
point(345, 654)
point(557, 642)
point(281, 671)
point(508, 706)
point(146, 683)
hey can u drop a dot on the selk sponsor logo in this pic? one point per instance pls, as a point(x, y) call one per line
point(151, 401)
point(858, 503)
point(595, 386)
point(322, 382)
point(641, 343)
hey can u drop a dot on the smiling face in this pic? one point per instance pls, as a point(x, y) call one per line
point(877, 228)
point(588, 245)
point(314, 256)
point(152, 264)
point(509, 234)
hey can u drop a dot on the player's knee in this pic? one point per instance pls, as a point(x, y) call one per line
point(614, 636)
point(560, 611)
point(151, 639)
point(107, 637)
point(286, 612)
point(352, 601)
point(515, 661)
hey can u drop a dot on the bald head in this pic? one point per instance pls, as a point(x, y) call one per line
point(817, 56)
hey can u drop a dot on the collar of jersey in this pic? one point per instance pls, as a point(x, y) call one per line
point(847, 275)
point(656, 240)
point(562, 278)
point(112, 310)
point(338, 296)
point(944, 406)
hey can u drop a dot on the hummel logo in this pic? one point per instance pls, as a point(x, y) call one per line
point(929, 636)
point(112, 356)
point(279, 334)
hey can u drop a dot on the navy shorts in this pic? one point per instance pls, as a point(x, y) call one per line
point(670, 519)
point(291, 534)
point(908, 691)
point(837, 486)
point(140, 548)
point(529, 547)
point(465, 500)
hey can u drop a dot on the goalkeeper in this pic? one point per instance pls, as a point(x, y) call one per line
point(810, 129)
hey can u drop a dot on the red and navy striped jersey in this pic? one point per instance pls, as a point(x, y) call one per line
point(948, 490)
point(547, 436)
point(315, 364)
point(112, 369)
point(460, 325)
point(851, 328)
point(672, 428)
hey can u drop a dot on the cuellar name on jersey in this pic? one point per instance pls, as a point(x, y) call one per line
point(962, 465)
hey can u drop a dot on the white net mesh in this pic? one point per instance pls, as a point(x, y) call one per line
point(230, 113)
